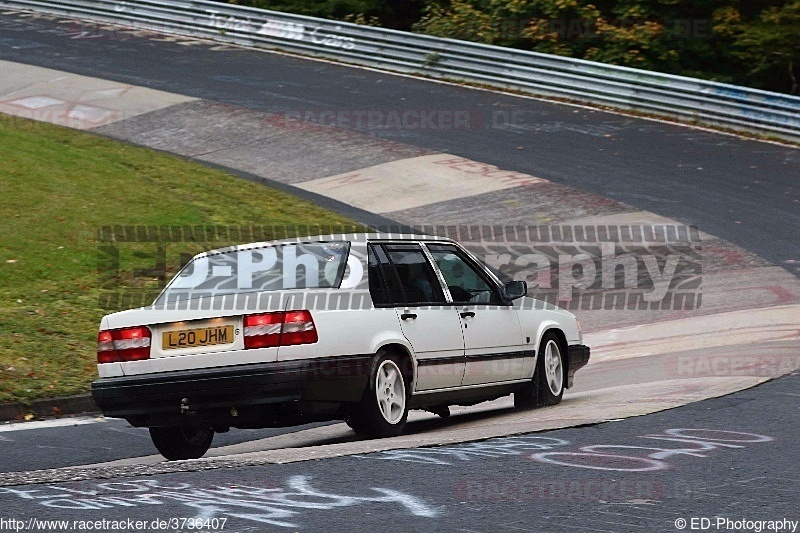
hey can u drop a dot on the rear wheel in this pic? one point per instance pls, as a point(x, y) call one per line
point(383, 410)
point(357, 424)
point(177, 443)
point(547, 385)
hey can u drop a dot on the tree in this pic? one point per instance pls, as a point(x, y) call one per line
point(399, 14)
point(769, 47)
point(752, 42)
point(458, 20)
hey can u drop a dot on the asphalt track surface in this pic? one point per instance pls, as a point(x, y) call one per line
point(641, 474)
point(744, 191)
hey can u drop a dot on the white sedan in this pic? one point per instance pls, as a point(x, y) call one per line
point(359, 328)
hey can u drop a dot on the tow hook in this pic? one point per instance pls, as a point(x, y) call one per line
point(184, 406)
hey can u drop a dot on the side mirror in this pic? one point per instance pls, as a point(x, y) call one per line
point(514, 290)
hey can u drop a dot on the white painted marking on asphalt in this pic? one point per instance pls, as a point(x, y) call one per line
point(62, 98)
point(744, 327)
point(109, 93)
point(36, 102)
point(600, 456)
point(416, 182)
point(56, 423)
point(89, 113)
point(268, 503)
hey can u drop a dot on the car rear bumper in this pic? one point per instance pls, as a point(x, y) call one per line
point(236, 395)
point(578, 357)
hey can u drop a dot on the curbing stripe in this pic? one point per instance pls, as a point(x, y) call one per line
point(67, 405)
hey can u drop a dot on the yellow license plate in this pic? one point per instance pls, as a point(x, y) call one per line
point(191, 338)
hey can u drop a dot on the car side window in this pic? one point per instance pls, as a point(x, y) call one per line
point(466, 283)
point(406, 274)
point(384, 287)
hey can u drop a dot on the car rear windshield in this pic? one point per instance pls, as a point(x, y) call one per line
point(315, 265)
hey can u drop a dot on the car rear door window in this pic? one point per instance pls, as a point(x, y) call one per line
point(384, 287)
point(400, 274)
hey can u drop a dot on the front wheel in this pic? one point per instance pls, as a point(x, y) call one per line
point(547, 385)
point(383, 410)
point(177, 443)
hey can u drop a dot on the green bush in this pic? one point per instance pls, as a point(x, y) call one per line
point(755, 43)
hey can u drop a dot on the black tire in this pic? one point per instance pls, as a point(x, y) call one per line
point(547, 385)
point(356, 422)
point(178, 443)
point(383, 410)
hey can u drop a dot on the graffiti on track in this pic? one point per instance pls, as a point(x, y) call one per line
point(446, 455)
point(274, 505)
point(604, 456)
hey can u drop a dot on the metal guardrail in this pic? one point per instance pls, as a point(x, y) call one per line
point(687, 99)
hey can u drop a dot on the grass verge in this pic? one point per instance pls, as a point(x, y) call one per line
point(58, 187)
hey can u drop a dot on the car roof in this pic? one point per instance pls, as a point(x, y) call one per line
point(362, 238)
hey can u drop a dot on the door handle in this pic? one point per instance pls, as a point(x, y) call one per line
point(467, 314)
point(407, 316)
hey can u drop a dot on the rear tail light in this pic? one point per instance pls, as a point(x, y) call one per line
point(262, 331)
point(120, 345)
point(105, 348)
point(279, 329)
point(298, 328)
